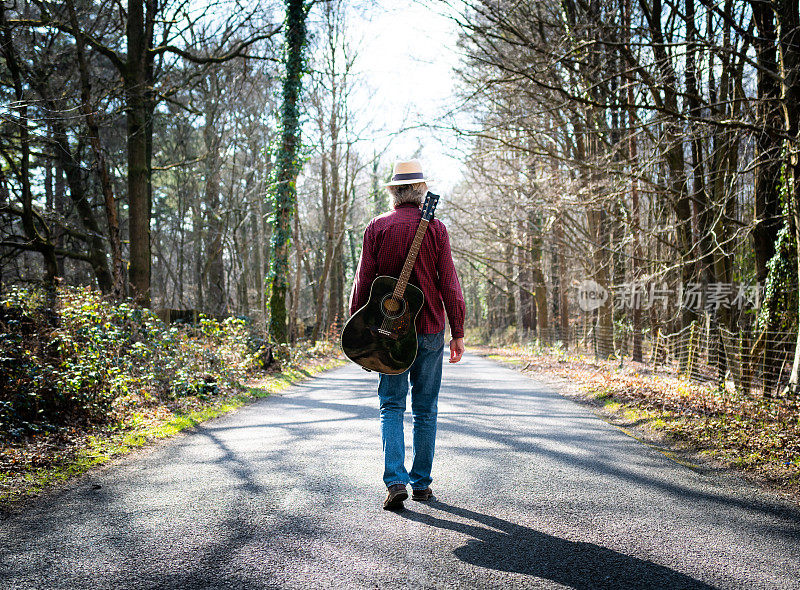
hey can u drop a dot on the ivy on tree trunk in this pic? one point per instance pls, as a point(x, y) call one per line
point(287, 166)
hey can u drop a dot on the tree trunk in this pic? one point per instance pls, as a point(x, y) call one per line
point(77, 193)
point(215, 294)
point(327, 261)
point(298, 265)
point(538, 282)
point(604, 327)
point(61, 203)
point(42, 243)
point(673, 138)
point(788, 14)
point(287, 164)
point(524, 300)
point(262, 230)
point(110, 202)
point(198, 239)
point(768, 146)
point(510, 312)
point(636, 215)
point(336, 297)
point(138, 110)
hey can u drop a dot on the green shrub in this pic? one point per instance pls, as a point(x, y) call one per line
point(88, 358)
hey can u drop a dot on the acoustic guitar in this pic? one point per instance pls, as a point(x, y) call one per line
point(382, 336)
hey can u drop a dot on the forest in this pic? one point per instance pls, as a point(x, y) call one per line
point(631, 179)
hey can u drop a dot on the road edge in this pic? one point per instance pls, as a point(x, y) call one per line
point(109, 450)
point(635, 423)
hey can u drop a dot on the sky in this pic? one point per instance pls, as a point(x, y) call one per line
point(406, 55)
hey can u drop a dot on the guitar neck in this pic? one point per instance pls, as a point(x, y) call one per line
point(400, 288)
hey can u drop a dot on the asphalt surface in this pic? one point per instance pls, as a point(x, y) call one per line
point(533, 491)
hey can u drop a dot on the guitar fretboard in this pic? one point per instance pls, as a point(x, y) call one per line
point(400, 288)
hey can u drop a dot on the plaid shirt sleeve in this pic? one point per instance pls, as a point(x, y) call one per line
point(450, 288)
point(365, 273)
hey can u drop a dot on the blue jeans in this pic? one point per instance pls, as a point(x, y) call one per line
point(426, 377)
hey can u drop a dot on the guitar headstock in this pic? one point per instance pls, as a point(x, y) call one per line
point(429, 206)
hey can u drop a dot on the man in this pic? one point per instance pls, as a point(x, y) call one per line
point(387, 241)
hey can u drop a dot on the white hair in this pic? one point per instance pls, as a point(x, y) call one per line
point(408, 193)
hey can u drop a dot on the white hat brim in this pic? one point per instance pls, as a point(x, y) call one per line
point(411, 181)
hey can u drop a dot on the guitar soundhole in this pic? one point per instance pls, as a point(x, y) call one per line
point(393, 308)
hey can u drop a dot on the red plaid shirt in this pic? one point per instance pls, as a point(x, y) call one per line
point(387, 241)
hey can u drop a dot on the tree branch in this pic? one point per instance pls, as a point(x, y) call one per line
point(237, 51)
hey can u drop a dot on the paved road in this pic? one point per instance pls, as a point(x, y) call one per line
point(533, 491)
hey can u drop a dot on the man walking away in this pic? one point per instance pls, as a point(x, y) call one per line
point(387, 241)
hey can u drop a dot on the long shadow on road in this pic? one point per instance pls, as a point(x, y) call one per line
point(505, 546)
point(493, 427)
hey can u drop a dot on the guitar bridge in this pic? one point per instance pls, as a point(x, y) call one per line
point(382, 332)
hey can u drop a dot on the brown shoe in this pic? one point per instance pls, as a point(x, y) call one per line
point(422, 495)
point(394, 500)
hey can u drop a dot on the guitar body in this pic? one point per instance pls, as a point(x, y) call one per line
point(381, 336)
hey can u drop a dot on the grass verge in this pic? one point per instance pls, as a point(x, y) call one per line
point(41, 462)
point(759, 437)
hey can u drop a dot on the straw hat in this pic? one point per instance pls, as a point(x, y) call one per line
point(407, 173)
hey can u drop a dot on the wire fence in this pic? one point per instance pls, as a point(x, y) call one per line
point(752, 364)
